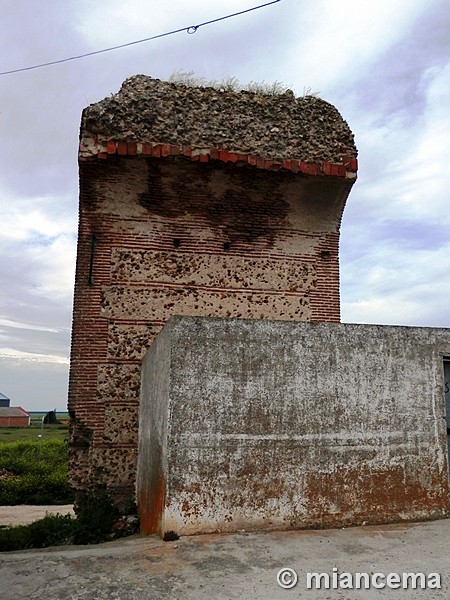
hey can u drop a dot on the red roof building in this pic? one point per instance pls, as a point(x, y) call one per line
point(14, 416)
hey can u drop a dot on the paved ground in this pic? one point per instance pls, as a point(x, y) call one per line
point(241, 566)
point(24, 514)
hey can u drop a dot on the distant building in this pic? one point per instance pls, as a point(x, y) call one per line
point(4, 400)
point(14, 416)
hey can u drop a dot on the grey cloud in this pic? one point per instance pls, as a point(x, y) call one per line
point(34, 386)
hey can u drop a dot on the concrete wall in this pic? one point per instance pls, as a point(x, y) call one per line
point(270, 424)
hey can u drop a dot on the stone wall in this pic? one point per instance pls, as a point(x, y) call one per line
point(277, 425)
point(271, 126)
point(178, 218)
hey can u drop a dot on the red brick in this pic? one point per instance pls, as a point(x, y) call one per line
point(175, 150)
point(353, 164)
point(102, 155)
point(156, 151)
point(342, 171)
point(268, 164)
point(287, 164)
point(155, 230)
point(326, 168)
point(132, 148)
point(214, 153)
point(165, 150)
point(111, 147)
point(346, 160)
point(232, 157)
point(260, 162)
point(204, 158)
point(223, 155)
point(187, 151)
point(122, 148)
point(334, 169)
point(303, 167)
point(313, 169)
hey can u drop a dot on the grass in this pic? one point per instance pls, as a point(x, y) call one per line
point(33, 431)
point(32, 472)
point(14, 434)
point(36, 416)
point(190, 79)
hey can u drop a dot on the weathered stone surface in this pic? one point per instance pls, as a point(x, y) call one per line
point(269, 424)
point(277, 127)
point(203, 269)
point(158, 304)
point(167, 227)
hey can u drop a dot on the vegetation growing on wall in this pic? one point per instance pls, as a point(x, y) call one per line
point(230, 84)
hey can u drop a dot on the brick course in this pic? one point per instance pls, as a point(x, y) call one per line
point(169, 229)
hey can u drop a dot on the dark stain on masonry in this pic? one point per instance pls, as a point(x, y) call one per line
point(246, 206)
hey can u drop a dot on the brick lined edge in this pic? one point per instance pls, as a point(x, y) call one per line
point(94, 147)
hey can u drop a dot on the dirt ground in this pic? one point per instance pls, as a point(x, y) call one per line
point(23, 514)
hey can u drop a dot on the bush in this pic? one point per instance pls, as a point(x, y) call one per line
point(50, 531)
point(96, 515)
point(93, 524)
point(37, 473)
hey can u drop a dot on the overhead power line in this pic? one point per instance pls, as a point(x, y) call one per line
point(190, 29)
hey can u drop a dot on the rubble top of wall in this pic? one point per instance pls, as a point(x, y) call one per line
point(277, 127)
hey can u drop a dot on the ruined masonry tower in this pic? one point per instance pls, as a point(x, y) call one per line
point(201, 202)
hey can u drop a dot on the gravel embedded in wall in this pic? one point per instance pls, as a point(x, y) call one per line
point(278, 127)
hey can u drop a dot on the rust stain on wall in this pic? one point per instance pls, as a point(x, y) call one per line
point(152, 504)
point(280, 425)
point(353, 496)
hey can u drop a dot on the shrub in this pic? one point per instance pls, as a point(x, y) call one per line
point(50, 531)
point(93, 524)
point(96, 515)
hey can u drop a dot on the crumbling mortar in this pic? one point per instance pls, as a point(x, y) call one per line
point(276, 127)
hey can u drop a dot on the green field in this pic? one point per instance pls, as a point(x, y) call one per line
point(33, 462)
point(36, 417)
point(32, 472)
point(48, 432)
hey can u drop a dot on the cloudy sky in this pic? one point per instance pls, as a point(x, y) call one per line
point(384, 64)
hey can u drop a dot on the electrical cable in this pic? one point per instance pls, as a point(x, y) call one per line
point(190, 30)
